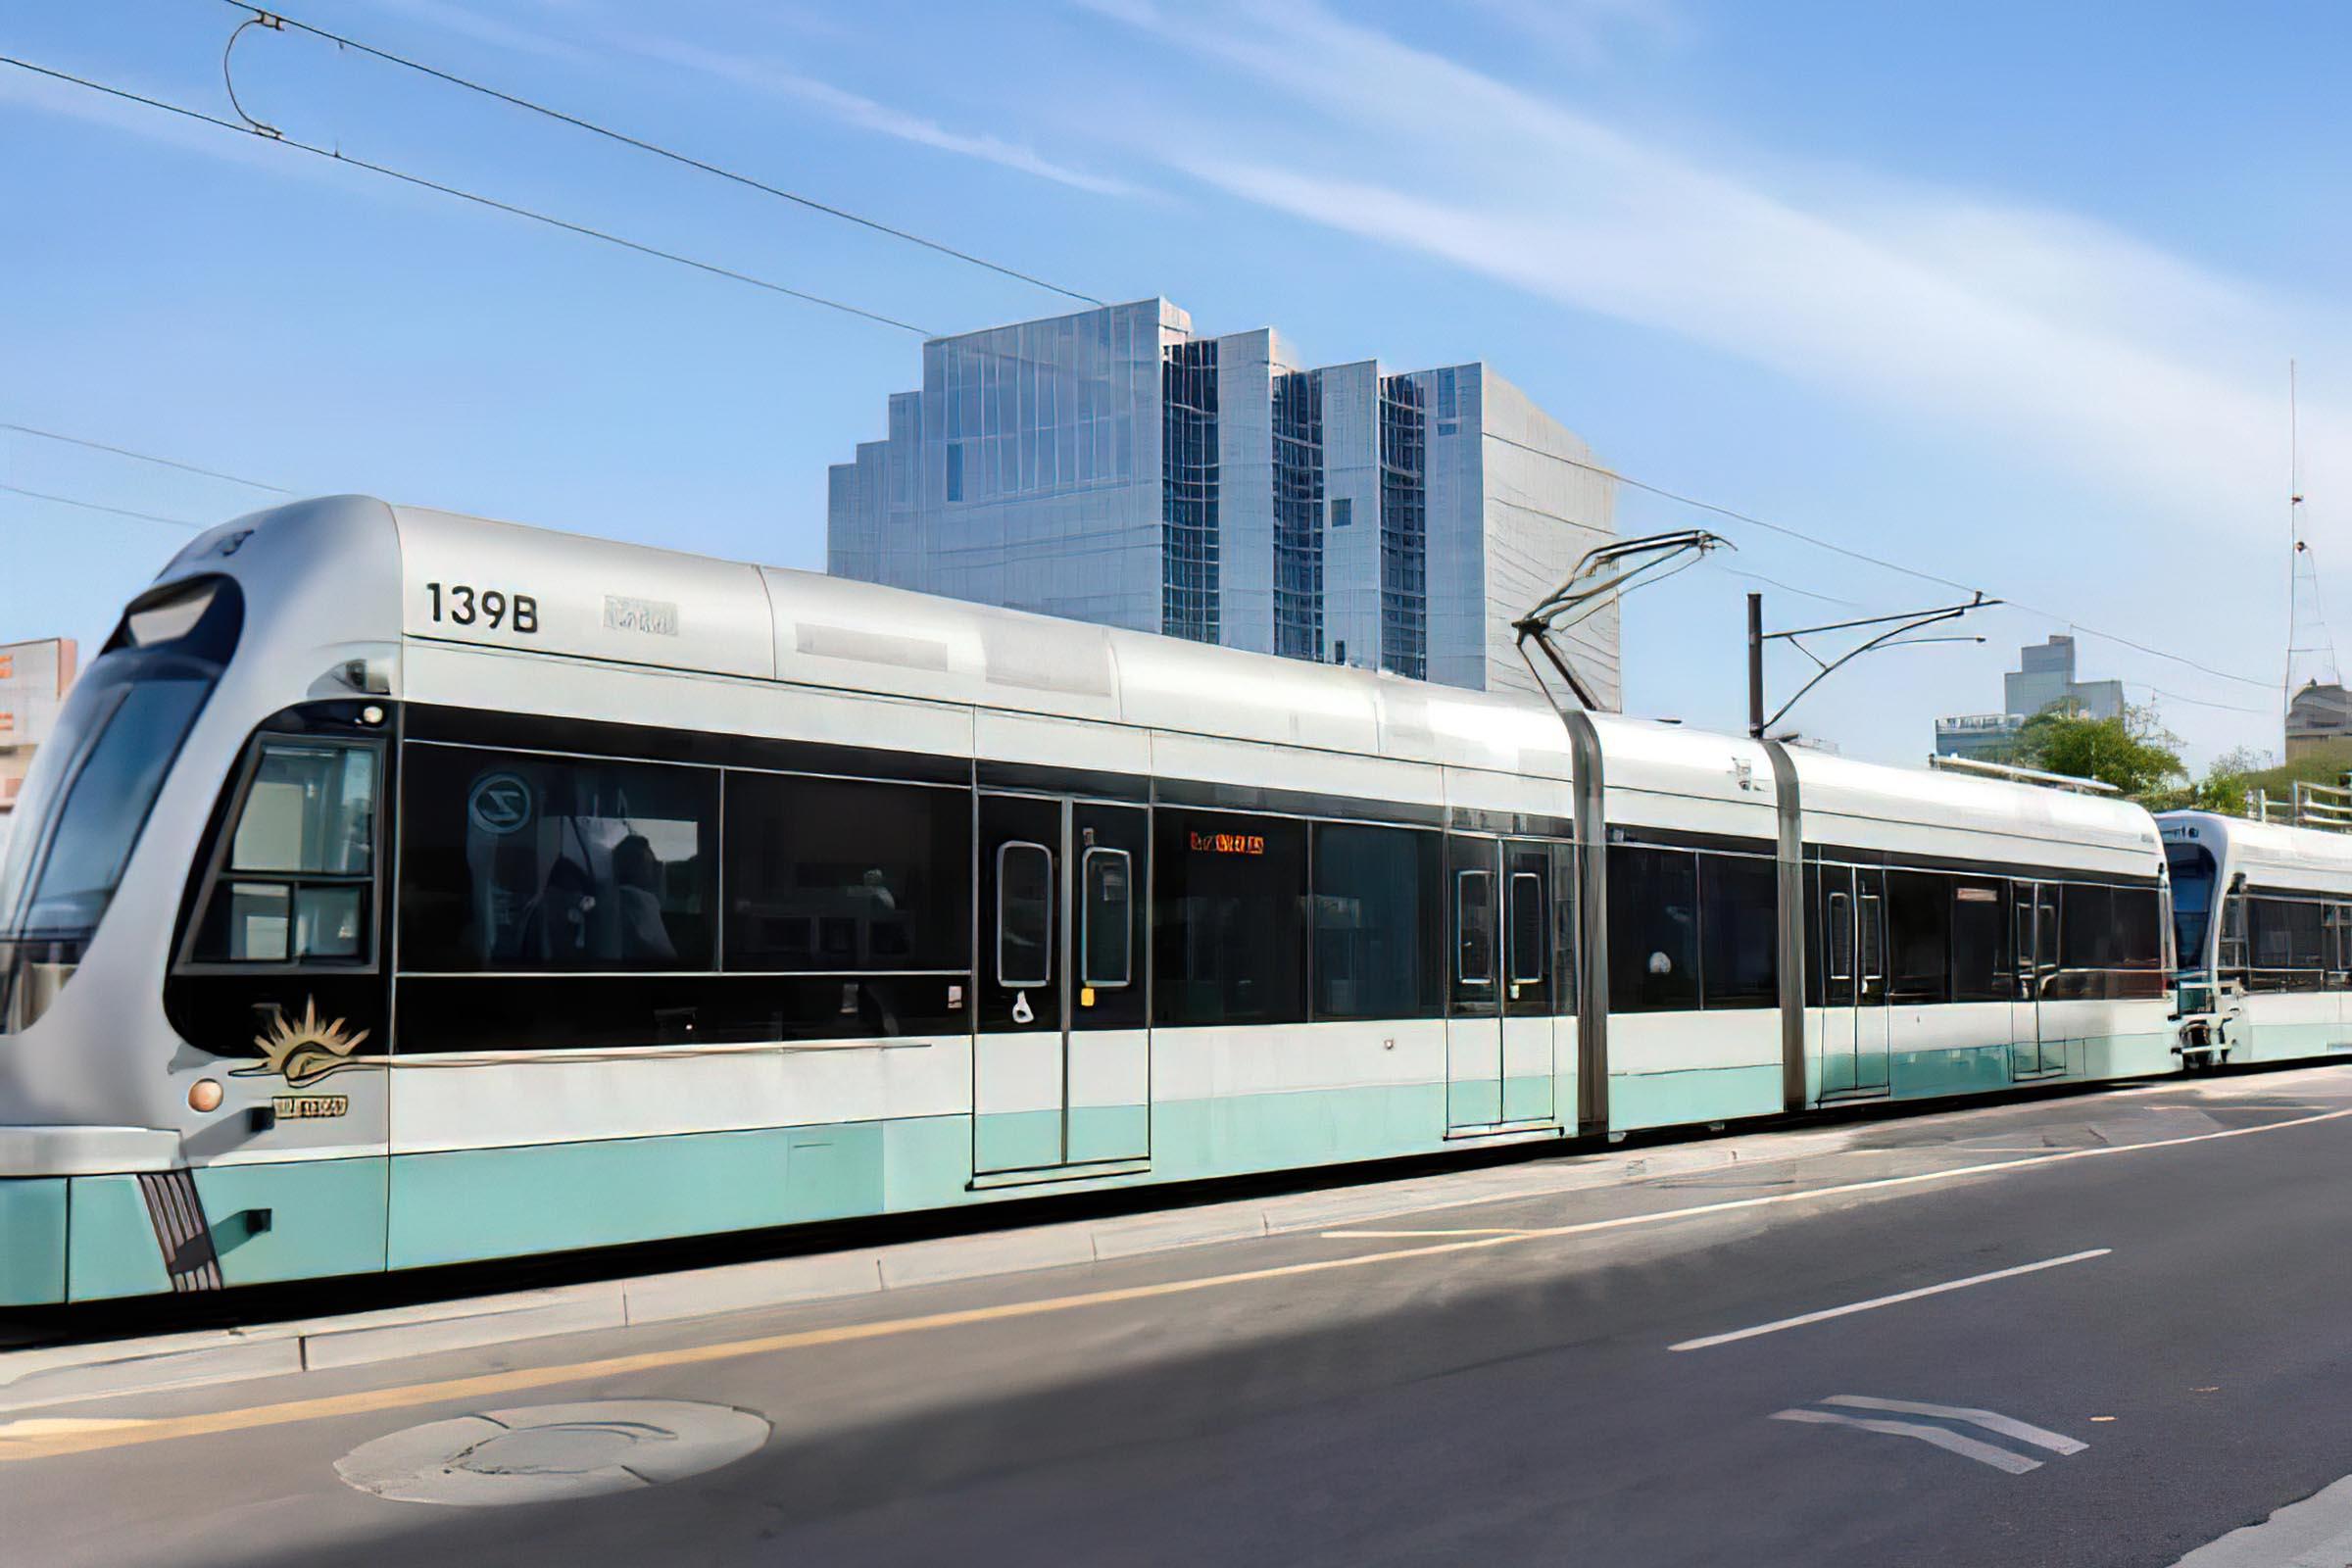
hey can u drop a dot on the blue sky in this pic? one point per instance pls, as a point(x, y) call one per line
point(2003, 291)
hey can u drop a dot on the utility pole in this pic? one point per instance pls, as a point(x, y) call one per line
point(1755, 667)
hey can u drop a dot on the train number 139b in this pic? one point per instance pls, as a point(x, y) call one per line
point(462, 605)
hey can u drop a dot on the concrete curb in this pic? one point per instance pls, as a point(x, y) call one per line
point(65, 1374)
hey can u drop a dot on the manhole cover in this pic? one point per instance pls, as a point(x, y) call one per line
point(545, 1452)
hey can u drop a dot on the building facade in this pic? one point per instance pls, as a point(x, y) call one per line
point(1112, 465)
point(2044, 678)
point(33, 678)
point(2320, 716)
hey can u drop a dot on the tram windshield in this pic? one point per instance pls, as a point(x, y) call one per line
point(2193, 871)
point(94, 781)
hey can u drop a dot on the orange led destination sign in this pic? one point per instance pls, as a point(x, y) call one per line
point(1228, 842)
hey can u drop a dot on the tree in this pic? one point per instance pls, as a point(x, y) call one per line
point(2227, 784)
point(2133, 751)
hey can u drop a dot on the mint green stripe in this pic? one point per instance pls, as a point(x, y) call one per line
point(112, 1246)
point(1701, 1095)
point(325, 1217)
point(33, 1242)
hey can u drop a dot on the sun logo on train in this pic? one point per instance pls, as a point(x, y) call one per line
point(303, 1050)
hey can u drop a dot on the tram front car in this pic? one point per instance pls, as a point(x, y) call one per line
point(190, 920)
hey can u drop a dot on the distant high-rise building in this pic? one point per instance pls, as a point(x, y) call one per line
point(1114, 466)
point(2044, 678)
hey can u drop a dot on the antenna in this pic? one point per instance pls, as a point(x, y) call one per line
point(2303, 602)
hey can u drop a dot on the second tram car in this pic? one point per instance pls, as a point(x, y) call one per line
point(2263, 920)
point(402, 888)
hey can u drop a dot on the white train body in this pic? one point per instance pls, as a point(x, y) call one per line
point(512, 891)
point(2263, 920)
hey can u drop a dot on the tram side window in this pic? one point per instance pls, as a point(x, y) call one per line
point(1106, 925)
point(1654, 929)
point(1378, 931)
point(1739, 914)
point(298, 885)
point(1230, 923)
point(1981, 969)
point(841, 876)
point(2086, 944)
point(2285, 936)
point(2138, 942)
point(2138, 929)
point(1919, 918)
point(519, 862)
point(2332, 943)
point(1529, 926)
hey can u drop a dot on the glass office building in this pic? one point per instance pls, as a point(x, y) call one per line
point(1113, 465)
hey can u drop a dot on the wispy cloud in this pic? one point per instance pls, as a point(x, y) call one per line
point(1587, 33)
point(467, 21)
point(2091, 351)
point(865, 114)
point(63, 100)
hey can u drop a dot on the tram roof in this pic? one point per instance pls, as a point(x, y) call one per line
point(645, 605)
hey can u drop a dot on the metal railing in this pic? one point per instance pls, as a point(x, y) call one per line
point(2308, 804)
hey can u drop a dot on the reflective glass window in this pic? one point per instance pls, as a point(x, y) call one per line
point(829, 876)
point(1378, 936)
point(519, 862)
point(1654, 929)
point(1024, 914)
point(1230, 920)
point(1739, 911)
point(1106, 956)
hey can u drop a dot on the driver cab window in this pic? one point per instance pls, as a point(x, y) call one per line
point(297, 883)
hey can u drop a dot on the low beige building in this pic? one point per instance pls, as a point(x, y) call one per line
point(2320, 715)
point(33, 679)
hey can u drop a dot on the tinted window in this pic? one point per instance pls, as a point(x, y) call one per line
point(307, 821)
point(87, 795)
point(1024, 914)
point(1918, 932)
point(1104, 955)
point(2087, 927)
point(1530, 927)
point(1654, 929)
point(1474, 927)
point(109, 798)
point(2138, 939)
point(310, 808)
point(1980, 947)
point(837, 876)
point(2286, 933)
point(1230, 921)
point(1740, 898)
point(1378, 933)
point(513, 861)
point(2192, 872)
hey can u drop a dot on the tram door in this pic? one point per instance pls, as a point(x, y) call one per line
point(1855, 1035)
point(1474, 1009)
point(1061, 1049)
point(1529, 949)
point(2035, 913)
point(1498, 1025)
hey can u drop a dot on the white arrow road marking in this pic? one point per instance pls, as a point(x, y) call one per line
point(2017, 1464)
point(1827, 1313)
point(1989, 1420)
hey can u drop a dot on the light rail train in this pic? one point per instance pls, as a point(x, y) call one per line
point(2262, 914)
point(403, 888)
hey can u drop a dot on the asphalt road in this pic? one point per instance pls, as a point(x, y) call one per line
point(1502, 1386)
